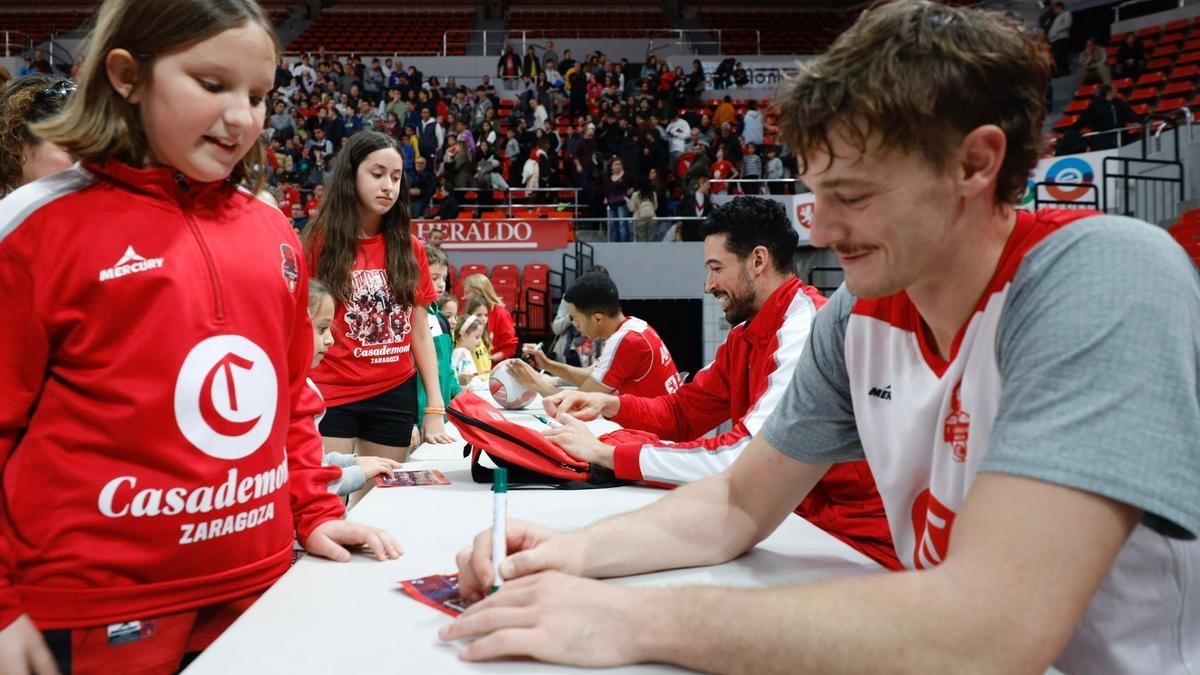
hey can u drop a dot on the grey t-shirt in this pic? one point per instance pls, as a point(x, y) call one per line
point(1097, 349)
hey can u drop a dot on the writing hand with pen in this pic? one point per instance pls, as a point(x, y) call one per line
point(573, 436)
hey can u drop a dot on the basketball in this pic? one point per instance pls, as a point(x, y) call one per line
point(505, 389)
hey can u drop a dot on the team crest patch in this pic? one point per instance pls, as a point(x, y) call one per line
point(804, 214)
point(291, 270)
point(957, 428)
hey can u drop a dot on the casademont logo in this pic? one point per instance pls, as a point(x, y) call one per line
point(130, 263)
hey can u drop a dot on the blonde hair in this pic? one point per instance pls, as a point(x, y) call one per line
point(472, 305)
point(98, 123)
point(478, 285)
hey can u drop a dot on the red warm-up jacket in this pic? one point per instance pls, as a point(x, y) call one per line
point(153, 363)
point(743, 385)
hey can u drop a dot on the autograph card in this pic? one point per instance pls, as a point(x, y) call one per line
point(439, 591)
point(410, 477)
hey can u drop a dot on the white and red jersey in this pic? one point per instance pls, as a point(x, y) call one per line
point(743, 385)
point(157, 457)
point(372, 333)
point(1077, 367)
point(636, 362)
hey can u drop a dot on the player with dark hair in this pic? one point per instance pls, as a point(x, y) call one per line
point(748, 246)
point(634, 361)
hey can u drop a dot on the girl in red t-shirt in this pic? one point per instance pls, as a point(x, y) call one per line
point(361, 247)
point(501, 328)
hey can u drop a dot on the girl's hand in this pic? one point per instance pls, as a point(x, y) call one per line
point(331, 538)
point(373, 466)
point(434, 431)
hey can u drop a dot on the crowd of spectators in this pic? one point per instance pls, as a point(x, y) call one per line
point(633, 139)
point(1107, 113)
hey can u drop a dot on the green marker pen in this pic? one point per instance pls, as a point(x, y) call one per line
point(499, 519)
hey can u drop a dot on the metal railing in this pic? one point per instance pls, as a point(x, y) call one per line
point(1066, 195)
point(765, 182)
point(509, 205)
point(1147, 189)
point(14, 40)
point(1142, 8)
point(500, 38)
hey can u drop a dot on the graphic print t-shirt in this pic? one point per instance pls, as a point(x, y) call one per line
point(372, 334)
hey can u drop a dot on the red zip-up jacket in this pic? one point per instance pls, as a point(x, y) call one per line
point(743, 385)
point(154, 360)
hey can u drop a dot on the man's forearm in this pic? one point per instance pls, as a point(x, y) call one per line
point(692, 526)
point(572, 375)
point(1026, 561)
point(891, 622)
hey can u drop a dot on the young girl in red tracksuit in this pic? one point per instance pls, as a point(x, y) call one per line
point(157, 463)
point(361, 248)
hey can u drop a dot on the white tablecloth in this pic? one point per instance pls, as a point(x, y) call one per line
point(352, 617)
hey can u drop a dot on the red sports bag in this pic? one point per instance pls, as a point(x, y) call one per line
point(527, 455)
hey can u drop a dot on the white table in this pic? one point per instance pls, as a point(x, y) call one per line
point(352, 617)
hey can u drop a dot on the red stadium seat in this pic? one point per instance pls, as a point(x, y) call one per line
point(506, 272)
point(1077, 106)
point(537, 313)
point(537, 275)
point(468, 270)
point(1066, 122)
point(1168, 104)
point(1150, 79)
point(1189, 72)
point(1177, 89)
point(1143, 95)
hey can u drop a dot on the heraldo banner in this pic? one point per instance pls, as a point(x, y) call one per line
point(511, 235)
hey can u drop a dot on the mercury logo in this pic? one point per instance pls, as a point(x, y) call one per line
point(226, 397)
point(130, 263)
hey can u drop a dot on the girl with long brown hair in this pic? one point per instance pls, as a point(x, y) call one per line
point(362, 248)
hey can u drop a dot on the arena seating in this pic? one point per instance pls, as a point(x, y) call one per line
point(58, 4)
point(618, 22)
point(1169, 81)
point(277, 12)
point(387, 31)
point(782, 31)
point(401, 4)
point(515, 4)
point(32, 26)
point(523, 290)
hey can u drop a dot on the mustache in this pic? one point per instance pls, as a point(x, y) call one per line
point(851, 249)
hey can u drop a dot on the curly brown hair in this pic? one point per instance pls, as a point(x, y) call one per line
point(920, 76)
point(22, 102)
